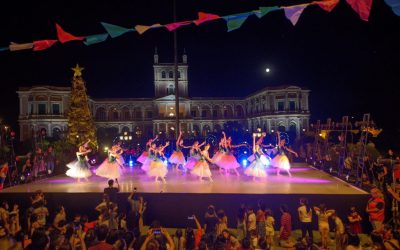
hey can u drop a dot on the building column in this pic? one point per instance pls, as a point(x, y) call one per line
point(298, 128)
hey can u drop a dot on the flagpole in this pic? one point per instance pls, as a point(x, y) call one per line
point(177, 127)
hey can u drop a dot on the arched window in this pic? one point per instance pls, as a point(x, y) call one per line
point(170, 89)
point(163, 74)
point(101, 114)
point(170, 74)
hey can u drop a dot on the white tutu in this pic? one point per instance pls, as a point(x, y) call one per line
point(177, 158)
point(110, 170)
point(201, 168)
point(191, 161)
point(157, 168)
point(78, 169)
point(281, 161)
point(146, 164)
point(256, 169)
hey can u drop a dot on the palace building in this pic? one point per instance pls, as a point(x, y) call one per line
point(283, 108)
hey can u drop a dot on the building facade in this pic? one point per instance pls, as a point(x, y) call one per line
point(284, 108)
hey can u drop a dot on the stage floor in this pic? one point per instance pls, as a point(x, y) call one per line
point(304, 180)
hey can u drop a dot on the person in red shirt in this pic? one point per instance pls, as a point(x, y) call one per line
point(376, 209)
point(3, 174)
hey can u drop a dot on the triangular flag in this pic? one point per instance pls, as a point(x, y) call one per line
point(115, 30)
point(64, 37)
point(43, 44)
point(293, 13)
point(95, 39)
point(327, 5)
point(235, 21)
point(4, 48)
point(20, 46)
point(262, 11)
point(395, 5)
point(362, 7)
point(173, 26)
point(143, 28)
point(205, 17)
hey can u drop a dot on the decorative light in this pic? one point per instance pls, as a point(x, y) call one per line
point(125, 138)
point(172, 128)
point(105, 149)
point(244, 163)
point(304, 130)
point(171, 114)
point(272, 130)
point(130, 163)
point(121, 137)
point(130, 137)
point(125, 133)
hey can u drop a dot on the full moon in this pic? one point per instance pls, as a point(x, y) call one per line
point(267, 70)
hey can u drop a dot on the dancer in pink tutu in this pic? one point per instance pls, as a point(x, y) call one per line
point(227, 160)
point(201, 168)
point(142, 158)
point(110, 168)
point(177, 158)
point(281, 161)
point(194, 153)
point(120, 151)
point(258, 167)
point(218, 153)
point(79, 168)
point(158, 169)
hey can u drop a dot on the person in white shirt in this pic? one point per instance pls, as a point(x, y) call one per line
point(251, 220)
point(339, 232)
point(305, 217)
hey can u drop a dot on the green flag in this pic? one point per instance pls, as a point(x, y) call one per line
point(115, 30)
point(89, 40)
point(262, 11)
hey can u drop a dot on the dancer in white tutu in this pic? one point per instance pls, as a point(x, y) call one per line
point(194, 153)
point(158, 169)
point(120, 151)
point(177, 158)
point(217, 155)
point(259, 142)
point(201, 168)
point(79, 168)
point(258, 168)
point(142, 158)
point(281, 161)
point(110, 168)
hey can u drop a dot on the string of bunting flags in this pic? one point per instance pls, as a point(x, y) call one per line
point(233, 22)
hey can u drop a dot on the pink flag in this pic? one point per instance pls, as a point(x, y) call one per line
point(327, 5)
point(64, 37)
point(43, 44)
point(293, 13)
point(205, 17)
point(173, 26)
point(362, 7)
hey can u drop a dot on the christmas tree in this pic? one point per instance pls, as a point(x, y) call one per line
point(80, 123)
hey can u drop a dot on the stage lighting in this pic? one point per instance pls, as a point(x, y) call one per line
point(22, 178)
point(130, 163)
point(165, 162)
point(244, 163)
point(49, 171)
point(245, 152)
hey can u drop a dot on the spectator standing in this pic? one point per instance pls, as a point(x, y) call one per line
point(260, 220)
point(50, 160)
point(339, 232)
point(269, 227)
point(305, 217)
point(323, 224)
point(376, 209)
point(251, 220)
point(354, 221)
point(112, 191)
point(210, 224)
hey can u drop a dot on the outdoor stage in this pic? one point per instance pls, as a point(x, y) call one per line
point(184, 195)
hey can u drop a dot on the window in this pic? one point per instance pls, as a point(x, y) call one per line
point(41, 109)
point(31, 109)
point(179, 74)
point(163, 74)
point(225, 113)
point(292, 105)
point(281, 106)
point(56, 108)
point(204, 113)
point(149, 114)
point(193, 113)
point(170, 74)
point(170, 89)
point(138, 114)
point(115, 115)
point(215, 113)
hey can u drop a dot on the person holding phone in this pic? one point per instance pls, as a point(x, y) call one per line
point(152, 241)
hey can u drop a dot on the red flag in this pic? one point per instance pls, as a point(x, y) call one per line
point(327, 5)
point(43, 44)
point(173, 26)
point(204, 17)
point(362, 7)
point(64, 37)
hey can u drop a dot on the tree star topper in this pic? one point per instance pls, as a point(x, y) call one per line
point(77, 70)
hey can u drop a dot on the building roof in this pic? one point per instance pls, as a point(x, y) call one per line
point(38, 87)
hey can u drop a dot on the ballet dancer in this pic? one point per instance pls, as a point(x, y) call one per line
point(281, 161)
point(201, 168)
point(79, 168)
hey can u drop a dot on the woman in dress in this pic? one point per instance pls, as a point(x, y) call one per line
point(228, 158)
point(194, 155)
point(79, 168)
point(142, 158)
point(120, 151)
point(258, 167)
point(110, 168)
point(281, 161)
point(158, 169)
point(323, 223)
point(201, 168)
point(259, 142)
point(219, 153)
point(177, 158)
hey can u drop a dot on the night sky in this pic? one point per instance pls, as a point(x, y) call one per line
point(350, 66)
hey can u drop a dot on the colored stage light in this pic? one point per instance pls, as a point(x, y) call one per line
point(130, 163)
point(244, 163)
point(165, 162)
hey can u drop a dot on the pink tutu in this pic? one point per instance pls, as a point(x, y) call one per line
point(227, 161)
point(142, 157)
point(157, 168)
point(281, 161)
point(216, 157)
point(121, 161)
point(146, 164)
point(110, 170)
point(177, 158)
point(201, 168)
point(256, 169)
point(251, 158)
point(191, 162)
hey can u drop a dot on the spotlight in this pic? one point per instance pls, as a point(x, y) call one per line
point(245, 152)
point(22, 178)
point(49, 171)
point(244, 163)
point(130, 163)
point(165, 162)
